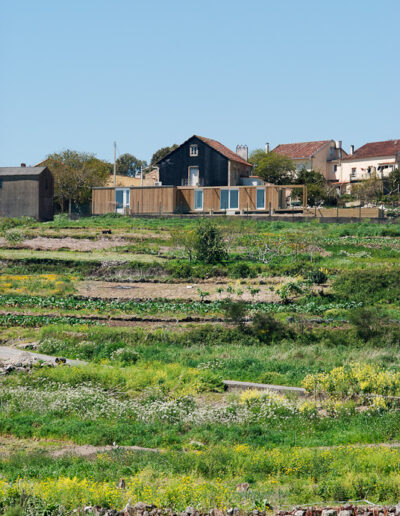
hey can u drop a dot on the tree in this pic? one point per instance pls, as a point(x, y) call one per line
point(129, 165)
point(394, 180)
point(160, 153)
point(316, 185)
point(75, 173)
point(209, 245)
point(273, 168)
point(370, 189)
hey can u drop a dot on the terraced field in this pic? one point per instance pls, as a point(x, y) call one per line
point(160, 329)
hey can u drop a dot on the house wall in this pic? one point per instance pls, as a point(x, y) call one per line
point(361, 166)
point(103, 201)
point(153, 199)
point(163, 199)
point(19, 197)
point(237, 170)
point(320, 162)
point(46, 195)
point(213, 167)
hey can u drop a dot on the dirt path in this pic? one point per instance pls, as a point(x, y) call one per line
point(190, 291)
point(15, 355)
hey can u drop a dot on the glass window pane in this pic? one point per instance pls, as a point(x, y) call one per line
point(127, 192)
point(234, 199)
point(119, 199)
point(224, 199)
point(260, 198)
point(198, 199)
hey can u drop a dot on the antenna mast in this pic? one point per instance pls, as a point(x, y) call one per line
point(115, 164)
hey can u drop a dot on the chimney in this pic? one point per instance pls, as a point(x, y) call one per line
point(338, 144)
point(242, 151)
point(351, 149)
point(23, 164)
point(267, 148)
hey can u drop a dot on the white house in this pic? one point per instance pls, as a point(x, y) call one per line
point(378, 157)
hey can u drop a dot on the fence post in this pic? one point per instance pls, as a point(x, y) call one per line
point(360, 212)
point(270, 209)
point(337, 213)
point(247, 209)
point(160, 208)
point(315, 211)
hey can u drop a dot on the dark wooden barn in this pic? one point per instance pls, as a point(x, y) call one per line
point(201, 161)
point(26, 192)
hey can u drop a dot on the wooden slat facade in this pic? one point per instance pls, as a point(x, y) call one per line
point(180, 199)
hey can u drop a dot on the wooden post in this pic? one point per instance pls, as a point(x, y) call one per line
point(360, 212)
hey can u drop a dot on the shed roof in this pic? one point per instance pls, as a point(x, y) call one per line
point(21, 171)
point(376, 150)
point(300, 150)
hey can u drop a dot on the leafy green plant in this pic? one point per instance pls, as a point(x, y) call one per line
point(235, 312)
point(209, 245)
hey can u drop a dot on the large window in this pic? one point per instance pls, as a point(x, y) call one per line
point(198, 199)
point(229, 199)
point(260, 201)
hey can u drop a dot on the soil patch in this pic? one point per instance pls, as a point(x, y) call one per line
point(189, 291)
point(74, 244)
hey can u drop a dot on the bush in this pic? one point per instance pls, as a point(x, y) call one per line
point(266, 328)
point(242, 270)
point(369, 323)
point(374, 285)
point(209, 245)
point(235, 311)
point(14, 236)
point(319, 277)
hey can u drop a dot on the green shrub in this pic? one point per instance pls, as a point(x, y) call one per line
point(242, 270)
point(209, 245)
point(235, 311)
point(319, 277)
point(14, 236)
point(266, 328)
point(369, 284)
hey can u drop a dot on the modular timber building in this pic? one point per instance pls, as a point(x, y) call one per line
point(26, 192)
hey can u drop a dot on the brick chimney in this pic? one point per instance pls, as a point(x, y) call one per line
point(23, 164)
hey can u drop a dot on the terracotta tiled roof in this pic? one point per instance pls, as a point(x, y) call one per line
point(223, 150)
point(376, 149)
point(300, 150)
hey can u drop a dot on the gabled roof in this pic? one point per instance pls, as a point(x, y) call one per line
point(376, 150)
point(21, 171)
point(300, 150)
point(229, 154)
point(223, 150)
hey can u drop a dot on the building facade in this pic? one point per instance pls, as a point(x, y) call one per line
point(324, 156)
point(202, 161)
point(26, 192)
point(378, 158)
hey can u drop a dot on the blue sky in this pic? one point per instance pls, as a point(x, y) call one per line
point(80, 74)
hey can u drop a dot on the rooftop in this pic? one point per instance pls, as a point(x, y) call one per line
point(376, 149)
point(300, 150)
point(21, 171)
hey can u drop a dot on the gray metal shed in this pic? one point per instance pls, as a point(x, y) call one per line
point(26, 192)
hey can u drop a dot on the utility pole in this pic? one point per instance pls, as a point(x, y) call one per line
point(115, 164)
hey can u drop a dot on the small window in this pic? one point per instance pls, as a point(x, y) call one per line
point(194, 150)
point(335, 168)
point(353, 172)
point(260, 202)
point(198, 199)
